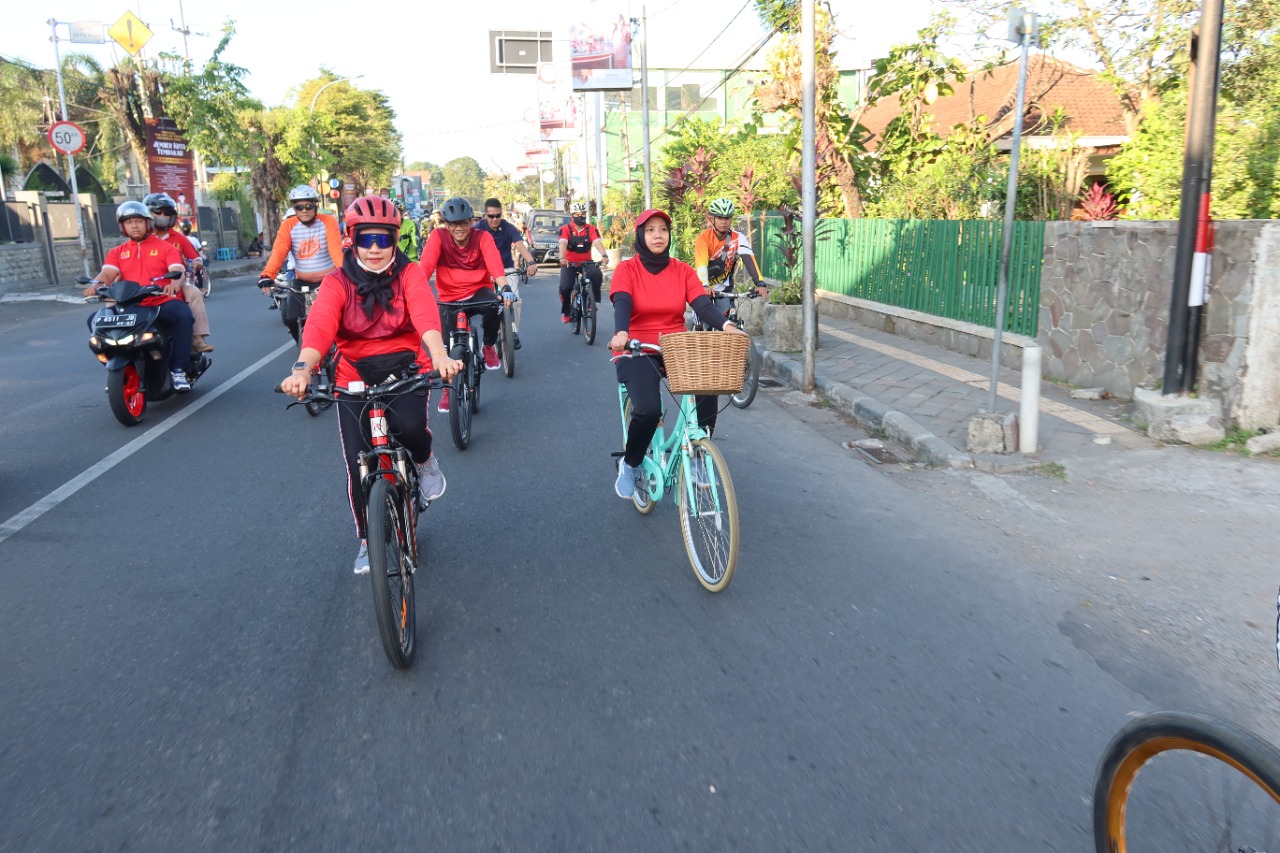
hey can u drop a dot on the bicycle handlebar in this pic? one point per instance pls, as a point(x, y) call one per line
point(412, 383)
point(634, 348)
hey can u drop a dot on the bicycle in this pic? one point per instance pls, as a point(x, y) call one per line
point(1190, 763)
point(323, 377)
point(582, 305)
point(464, 391)
point(687, 461)
point(751, 376)
point(389, 489)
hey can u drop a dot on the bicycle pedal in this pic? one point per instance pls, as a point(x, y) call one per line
point(618, 454)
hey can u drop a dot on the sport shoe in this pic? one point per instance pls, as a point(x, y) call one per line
point(362, 558)
point(517, 337)
point(491, 357)
point(625, 485)
point(180, 383)
point(431, 482)
point(564, 318)
point(443, 405)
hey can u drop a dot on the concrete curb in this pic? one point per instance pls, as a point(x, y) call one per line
point(899, 428)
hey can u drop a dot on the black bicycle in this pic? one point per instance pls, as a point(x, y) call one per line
point(464, 392)
point(582, 304)
point(507, 332)
point(320, 396)
point(389, 490)
point(751, 380)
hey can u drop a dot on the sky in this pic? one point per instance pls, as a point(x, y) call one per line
point(431, 59)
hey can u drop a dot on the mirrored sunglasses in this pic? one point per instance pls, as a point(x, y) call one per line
point(369, 239)
point(302, 207)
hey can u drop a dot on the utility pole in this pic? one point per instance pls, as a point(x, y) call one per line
point(808, 191)
point(1192, 255)
point(71, 161)
point(644, 107)
point(202, 179)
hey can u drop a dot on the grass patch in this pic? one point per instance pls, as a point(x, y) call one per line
point(1236, 441)
point(1056, 470)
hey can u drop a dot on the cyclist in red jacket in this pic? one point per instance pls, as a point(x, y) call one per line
point(467, 265)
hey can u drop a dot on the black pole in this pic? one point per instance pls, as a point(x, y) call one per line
point(1180, 352)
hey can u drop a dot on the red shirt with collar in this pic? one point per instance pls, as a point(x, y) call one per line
point(461, 272)
point(143, 260)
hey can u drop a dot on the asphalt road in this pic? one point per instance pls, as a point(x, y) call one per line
point(189, 662)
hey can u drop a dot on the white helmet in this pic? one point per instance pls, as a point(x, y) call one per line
point(303, 192)
point(577, 207)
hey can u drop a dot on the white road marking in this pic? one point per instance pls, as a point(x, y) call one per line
point(78, 482)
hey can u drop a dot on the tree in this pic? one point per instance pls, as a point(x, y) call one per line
point(131, 95)
point(207, 105)
point(270, 175)
point(464, 177)
point(350, 132)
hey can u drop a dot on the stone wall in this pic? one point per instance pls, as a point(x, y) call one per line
point(1104, 305)
point(21, 264)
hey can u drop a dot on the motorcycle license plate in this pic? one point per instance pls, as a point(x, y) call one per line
point(116, 321)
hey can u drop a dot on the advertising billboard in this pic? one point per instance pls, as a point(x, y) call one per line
point(170, 165)
point(557, 104)
point(600, 47)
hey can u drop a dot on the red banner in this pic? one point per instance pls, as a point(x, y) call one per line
point(171, 165)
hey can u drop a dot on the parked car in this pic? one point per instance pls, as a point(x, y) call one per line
point(543, 234)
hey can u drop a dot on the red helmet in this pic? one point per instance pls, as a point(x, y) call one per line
point(372, 211)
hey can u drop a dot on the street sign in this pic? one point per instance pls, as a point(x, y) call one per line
point(548, 176)
point(86, 32)
point(66, 136)
point(130, 33)
point(334, 183)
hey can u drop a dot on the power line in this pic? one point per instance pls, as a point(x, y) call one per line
point(710, 43)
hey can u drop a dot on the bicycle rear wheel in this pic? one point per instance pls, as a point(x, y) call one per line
point(507, 345)
point(575, 309)
point(1206, 785)
point(589, 315)
point(390, 572)
point(751, 381)
point(709, 516)
point(460, 411)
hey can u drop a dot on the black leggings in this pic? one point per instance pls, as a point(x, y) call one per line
point(644, 387)
point(406, 420)
point(590, 271)
point(486, 305)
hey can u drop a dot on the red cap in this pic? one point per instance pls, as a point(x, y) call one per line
point(649, 214)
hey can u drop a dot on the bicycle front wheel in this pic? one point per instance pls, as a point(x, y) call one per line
point(391, 572)
point(751, 380)
point(589, 317)
point(460, 413)
point(1206, 785)
point(507, 345)
point(709, 516)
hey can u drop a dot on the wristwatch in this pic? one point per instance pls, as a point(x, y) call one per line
point(301, 365)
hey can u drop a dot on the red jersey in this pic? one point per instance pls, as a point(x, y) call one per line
point(657, 301)
point(182, 243)
point(143, 260)
point(338, 315)
point(589, 231)
point(461, 271)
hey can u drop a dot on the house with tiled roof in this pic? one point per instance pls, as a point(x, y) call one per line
point(1090, 104)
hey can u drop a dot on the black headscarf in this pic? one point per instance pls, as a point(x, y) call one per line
point(652, 261)
point(373, 288)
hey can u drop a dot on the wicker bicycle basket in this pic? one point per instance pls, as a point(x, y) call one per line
point(709, 363)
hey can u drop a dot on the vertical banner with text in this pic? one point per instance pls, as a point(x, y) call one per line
point(171, 165)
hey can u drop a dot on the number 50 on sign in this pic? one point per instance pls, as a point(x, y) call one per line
point(66, 136)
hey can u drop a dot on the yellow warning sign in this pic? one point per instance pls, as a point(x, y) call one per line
point(130, 33)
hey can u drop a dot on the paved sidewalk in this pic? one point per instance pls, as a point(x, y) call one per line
point(922, 397)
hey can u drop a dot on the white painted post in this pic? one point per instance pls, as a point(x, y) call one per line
point(1029, 412)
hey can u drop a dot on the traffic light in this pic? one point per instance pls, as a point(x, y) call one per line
point(335, 194)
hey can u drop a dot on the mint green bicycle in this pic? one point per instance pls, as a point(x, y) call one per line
point(686, 461)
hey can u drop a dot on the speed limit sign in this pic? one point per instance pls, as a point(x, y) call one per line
point(67, 136)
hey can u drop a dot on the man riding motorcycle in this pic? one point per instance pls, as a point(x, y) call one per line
point(164, 215)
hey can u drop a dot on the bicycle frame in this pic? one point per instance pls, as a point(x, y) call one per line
point(668, 456)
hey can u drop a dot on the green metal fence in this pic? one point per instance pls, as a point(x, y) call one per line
point(941, 267)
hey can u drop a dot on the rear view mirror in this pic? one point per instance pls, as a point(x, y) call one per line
point(174, 275)
point(84, 279)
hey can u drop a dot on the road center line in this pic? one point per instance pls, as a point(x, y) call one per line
point(78, 482)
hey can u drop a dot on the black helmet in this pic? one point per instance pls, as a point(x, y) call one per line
point(160, 201)
point(457, 209)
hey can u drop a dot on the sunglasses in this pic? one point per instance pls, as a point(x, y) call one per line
point(466, 223)
point(301, 207)
point(369, 239)
point(493, 216)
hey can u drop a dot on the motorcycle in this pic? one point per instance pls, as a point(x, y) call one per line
point(135, 353)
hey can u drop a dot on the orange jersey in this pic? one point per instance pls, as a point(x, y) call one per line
point(317, 248)
point(715, 259)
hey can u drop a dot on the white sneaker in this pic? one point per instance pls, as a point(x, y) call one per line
point(180, 383)
point(362, 558)
point(431, 482)
point(625, 485)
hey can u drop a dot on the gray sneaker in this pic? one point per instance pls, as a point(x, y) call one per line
point(431, 482)
point(362, 559)
point(625, 485)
